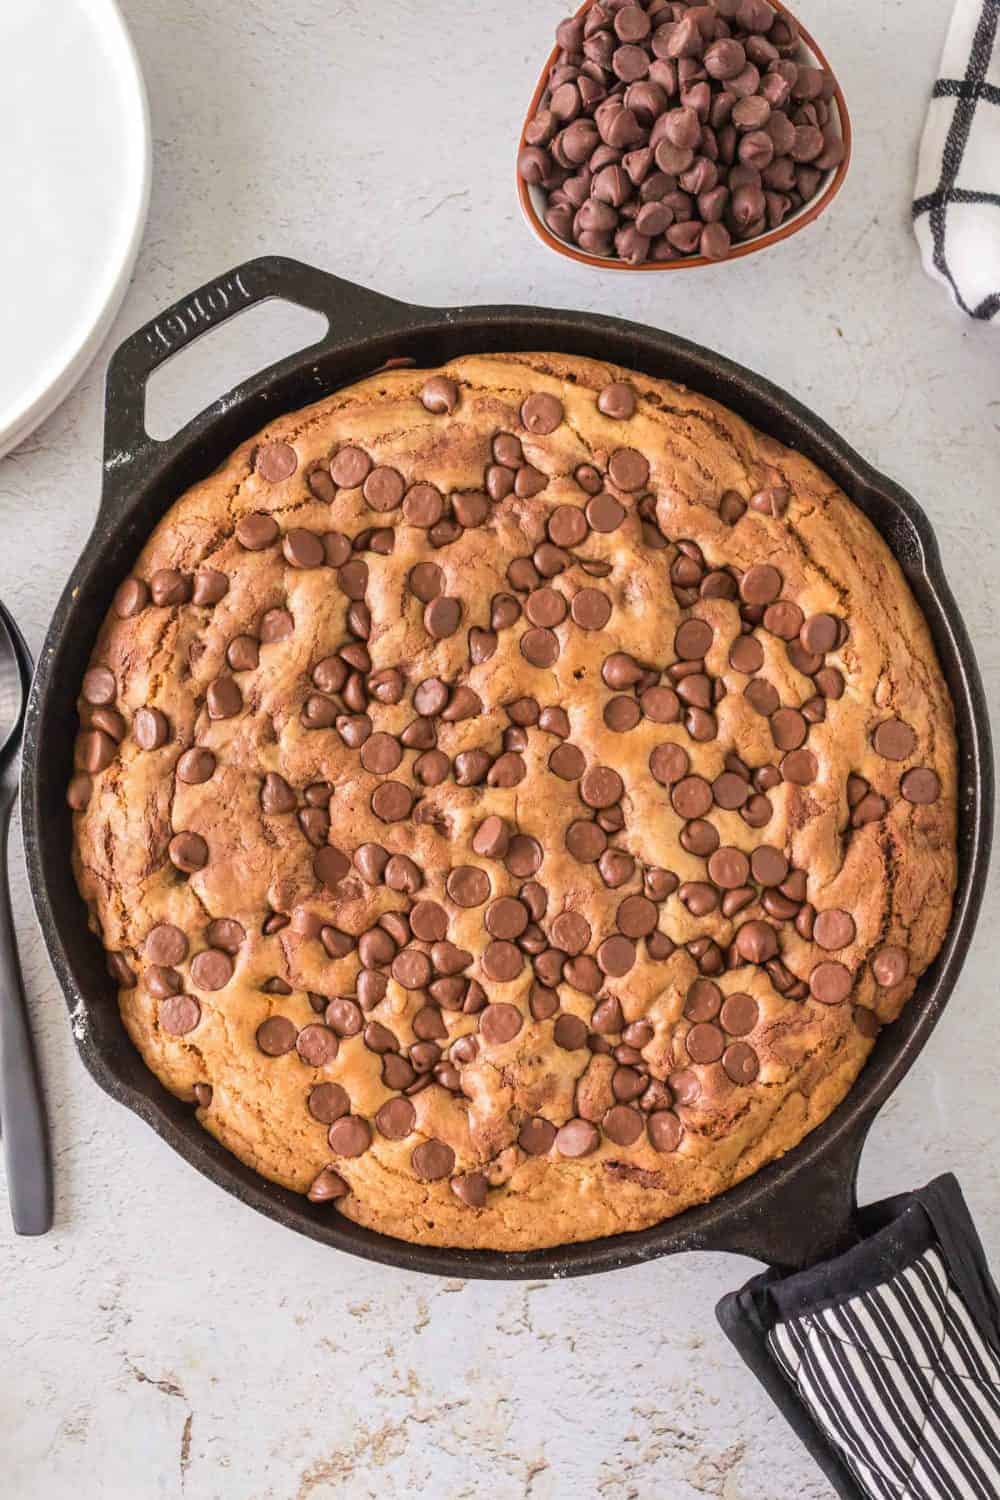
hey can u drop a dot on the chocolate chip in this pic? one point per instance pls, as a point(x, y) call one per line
point(500, 1023)
point(131, 598)
point(524, 856)
point(491, 840)
point(423, 506)
point(921, 785)
point(577, 1138)
point(591, 609)
point(890, 966)
point(327, 1186)
point(381, 754)
point(276, 796)
point(628, 469)
point(570, 1033)
point(571, 932)
point(467, 885)
point(165, 945)
point(704, 1043)
point(739, 1014)
point(350, 1136)
point(470, 1189)
point(567, 526)
point(350, 467)
point(397, 1073)
point(730, 791)
point(317, 1045)
point(169, 587)
point(482, 645)
point(502, 961)
point(432, 1160)
point(540, 647)
point(426, 581)
point(729, 868)
point(541, 413)
point(789, 728)
point(330, 866)
point(783, 619)
point(79, 792)
point(616, 956)
point(622, 1125)
point(820, 634)
point(257, 531)
point(869, 809)
point(343, 1017)
point(604, 513)
point(336, 549)
point(302, 548)
point(830, 982)
point(601, 787)
point(691, 796)
point(411, 969)
point(536, 1136)
point(178, 1014)
point(440, 395)
point(392, 801)
point(620, 715)
point(769, 865)
point(665, 1130)
point(620, 671)
point(275, 462)
point(353, 579)
point(760, 584)
point(321, 485)
point(636, 916)
point(693, 639)
point(661, 705)
point(756, 942)
point(150, 728)
point(188, 852)
point(276, 1035)
point(740, 1062)
point(545, 607)
point(834, 929)
point(799, 767)
point(99, 686)
point(618, 400)
point(746, 655)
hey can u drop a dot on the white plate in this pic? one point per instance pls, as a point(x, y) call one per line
point(74, 190)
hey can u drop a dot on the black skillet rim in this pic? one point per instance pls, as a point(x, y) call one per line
point(792, 1209)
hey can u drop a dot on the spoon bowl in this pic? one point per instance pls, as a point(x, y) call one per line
point(15, 680)
point(22, 1108)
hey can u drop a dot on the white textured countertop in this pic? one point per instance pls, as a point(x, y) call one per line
point(164, 1340)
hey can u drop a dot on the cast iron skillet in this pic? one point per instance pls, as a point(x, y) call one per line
point(791, 1213)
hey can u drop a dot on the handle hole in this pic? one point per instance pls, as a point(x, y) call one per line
point(223, 357)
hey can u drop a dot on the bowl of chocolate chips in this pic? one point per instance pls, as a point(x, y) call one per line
point(665, 135)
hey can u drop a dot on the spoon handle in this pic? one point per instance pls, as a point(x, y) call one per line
point(22, 1109)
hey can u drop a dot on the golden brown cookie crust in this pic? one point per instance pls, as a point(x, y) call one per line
point(719, 1120)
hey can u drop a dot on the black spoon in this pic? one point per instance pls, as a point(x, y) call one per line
point(22, 1109)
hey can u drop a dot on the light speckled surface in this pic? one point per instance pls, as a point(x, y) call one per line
point(164, 1341)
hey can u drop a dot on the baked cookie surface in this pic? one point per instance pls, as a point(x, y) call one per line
point(512, 797)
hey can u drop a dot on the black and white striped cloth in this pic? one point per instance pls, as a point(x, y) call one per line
point(902, 1383)
point(956, 210)
point(887, 1360)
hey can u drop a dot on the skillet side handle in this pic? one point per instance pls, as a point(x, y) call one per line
point(352, 311)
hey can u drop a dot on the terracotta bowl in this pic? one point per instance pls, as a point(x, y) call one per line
point(533, 199)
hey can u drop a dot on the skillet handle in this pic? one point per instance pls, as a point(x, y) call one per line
point(812, 1214)
point(885, 1360)
point(353, 312)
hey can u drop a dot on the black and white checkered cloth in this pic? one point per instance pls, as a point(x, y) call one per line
point(956, 212)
